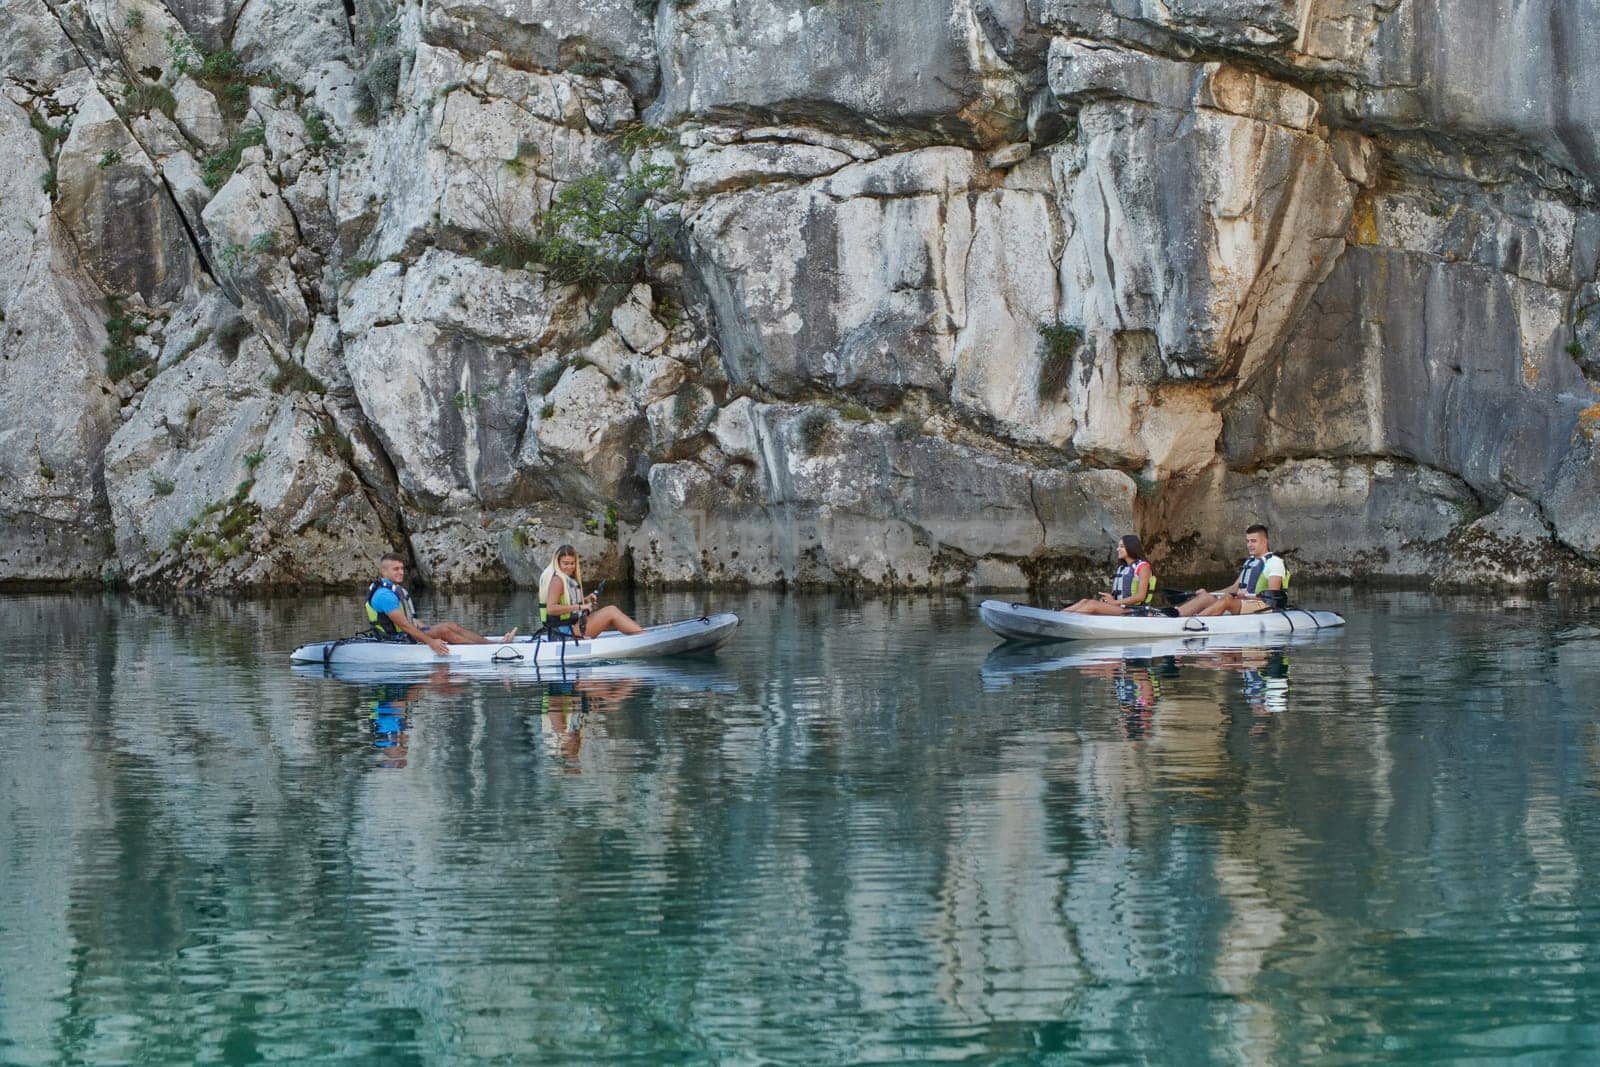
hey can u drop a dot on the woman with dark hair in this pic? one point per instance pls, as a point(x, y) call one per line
point(563, 607)
point(1133, 586)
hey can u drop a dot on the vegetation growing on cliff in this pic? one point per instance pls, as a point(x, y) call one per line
point(220, 165)
point(1061, 343)
point(50, 138)
point(221, 72)
point(122, 358)
point(140, 97)
point(599, 229)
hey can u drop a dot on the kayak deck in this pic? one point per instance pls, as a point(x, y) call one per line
point(536, 650)
point(1023, 622)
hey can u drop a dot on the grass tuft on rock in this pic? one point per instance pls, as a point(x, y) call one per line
point(219, 167)
point(814, 428)
point(319, 134)
point(378, 85)
point(291, 377)
point(221, 72)
point(1061, 344)
point(141, 97)
point(122, 357)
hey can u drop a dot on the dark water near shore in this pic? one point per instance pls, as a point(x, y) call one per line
point(854, 835)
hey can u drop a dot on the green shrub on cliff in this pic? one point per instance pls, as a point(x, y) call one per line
point(814, 427)
point(378, 85)
point(636, 135)
point(221, 72)
point(50, 137)
point(292, 377)
point(602, 229)
point(122, 358)
point(219, 166)
point(319, 135)
point(141, 97)
point(1061, 343)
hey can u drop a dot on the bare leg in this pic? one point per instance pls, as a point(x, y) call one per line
point(610, 617)
point(1228, 605)
point(456, 634)
point(1197, 604)
point(1100, 607)
point(1081, 605)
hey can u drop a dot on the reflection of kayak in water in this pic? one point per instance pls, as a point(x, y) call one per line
point(685, 674)
point(1008, 663)
point(1023, 622)
point(672, 639)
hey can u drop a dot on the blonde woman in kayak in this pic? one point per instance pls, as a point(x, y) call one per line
point(565, 609)
point(1133, 586)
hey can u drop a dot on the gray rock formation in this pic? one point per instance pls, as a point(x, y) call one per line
point(947, 293)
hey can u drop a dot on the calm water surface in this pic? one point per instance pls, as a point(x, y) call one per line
point(857, 834)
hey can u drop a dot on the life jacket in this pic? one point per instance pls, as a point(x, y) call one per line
point(1127, 575)
point(380, 621)
point(1253, 577)
point(571, 593)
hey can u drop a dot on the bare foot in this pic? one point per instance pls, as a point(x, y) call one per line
point(509, 634)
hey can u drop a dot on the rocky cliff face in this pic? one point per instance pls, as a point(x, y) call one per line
point(919, 293)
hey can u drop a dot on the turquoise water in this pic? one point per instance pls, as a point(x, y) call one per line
point(857, 834)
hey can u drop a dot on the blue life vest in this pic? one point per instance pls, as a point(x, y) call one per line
point(1253, 580)
point(1127, 576)
point(380, 621)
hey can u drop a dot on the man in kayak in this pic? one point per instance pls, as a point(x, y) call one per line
point(391, 615)
point(1262, 584)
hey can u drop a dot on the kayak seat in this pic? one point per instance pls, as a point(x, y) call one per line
point(557, 631)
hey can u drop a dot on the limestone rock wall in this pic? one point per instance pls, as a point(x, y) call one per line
point(932, 293)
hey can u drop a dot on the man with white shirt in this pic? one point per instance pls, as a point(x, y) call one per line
point(1262, 585)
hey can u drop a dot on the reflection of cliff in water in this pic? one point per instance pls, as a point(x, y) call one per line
point(858, 819)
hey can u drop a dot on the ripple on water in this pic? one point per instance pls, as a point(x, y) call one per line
point(857, 834)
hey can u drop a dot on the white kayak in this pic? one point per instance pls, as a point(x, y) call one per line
point(1022, 622)
point(534, 651)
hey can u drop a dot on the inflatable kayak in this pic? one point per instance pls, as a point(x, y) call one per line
point(674, 638)
point(1021, 622)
